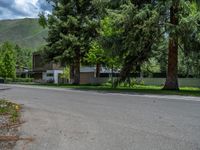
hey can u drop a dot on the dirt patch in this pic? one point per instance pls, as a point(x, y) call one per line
point(9, 124)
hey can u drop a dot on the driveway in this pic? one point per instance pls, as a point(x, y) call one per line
point(61, 119)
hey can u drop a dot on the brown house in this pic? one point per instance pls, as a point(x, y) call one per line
point(87, 74)
point(42, 70)
point(49, 72)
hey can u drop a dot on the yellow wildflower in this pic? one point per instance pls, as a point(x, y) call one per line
point(17, 107)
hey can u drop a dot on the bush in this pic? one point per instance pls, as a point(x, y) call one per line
point(2, 80)
point(132, 82)
point(17, 80)
point(8, 80)
point(23, 80)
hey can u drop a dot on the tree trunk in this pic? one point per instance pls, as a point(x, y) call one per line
point(98, 68)
point(77, 68)
point(112, 78)
point(172, 72)
point(77, 73)
point(72, 73)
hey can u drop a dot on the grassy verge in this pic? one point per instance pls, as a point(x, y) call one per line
point(141, 89)
point(11, 110)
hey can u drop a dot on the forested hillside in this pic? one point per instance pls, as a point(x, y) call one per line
point(25, 32)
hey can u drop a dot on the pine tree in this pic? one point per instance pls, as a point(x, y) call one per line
point(143, 24)
point(72, 27)
point(172, 72)
point(134, 32)
point(184, 20)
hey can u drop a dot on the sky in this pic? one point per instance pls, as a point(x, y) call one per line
point(16, 9)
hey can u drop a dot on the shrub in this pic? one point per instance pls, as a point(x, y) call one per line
point(8, 80)
point(17, 80)
point(23, 80)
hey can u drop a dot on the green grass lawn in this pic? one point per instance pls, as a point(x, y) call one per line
point(141, 89)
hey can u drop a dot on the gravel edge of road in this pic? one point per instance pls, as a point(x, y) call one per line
point(9, 131)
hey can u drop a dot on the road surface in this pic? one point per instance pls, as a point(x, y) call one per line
point(61, 119)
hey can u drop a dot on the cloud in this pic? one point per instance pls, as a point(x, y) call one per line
point(13, 9)
point(1, 12)
point(43, 5)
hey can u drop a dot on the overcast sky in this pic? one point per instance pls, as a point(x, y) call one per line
point(14, 9)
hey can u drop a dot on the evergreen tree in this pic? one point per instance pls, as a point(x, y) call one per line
point(142, 25)
point(184, 29)
point(134, 32)
point(72, 27)
point(172, 72)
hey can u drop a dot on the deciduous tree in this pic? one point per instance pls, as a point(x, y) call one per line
point(8, 61)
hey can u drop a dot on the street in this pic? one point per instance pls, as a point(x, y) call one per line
point(64, 119)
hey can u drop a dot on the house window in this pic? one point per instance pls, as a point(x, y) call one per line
point(49, 74)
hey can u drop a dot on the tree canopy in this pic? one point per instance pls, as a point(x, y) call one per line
point(7, 61)
point(132, 31)
point(140, 27)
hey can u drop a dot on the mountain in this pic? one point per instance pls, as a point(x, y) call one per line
point(24, 32)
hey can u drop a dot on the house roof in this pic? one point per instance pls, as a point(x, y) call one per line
point(87, 69)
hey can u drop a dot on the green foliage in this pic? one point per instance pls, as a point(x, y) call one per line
point(130, 32)
point(138, 32)
point(132, 82)
point(143, 89)
point(189, 64)
point(188, 32)
point(18, 80)
point(10, 109)
point(13, 57)
point(72, 27)
point(42, 20)
point(23, 57)
point(151, 66)
point(8, 61)
point(70, 35)
point(96, 55)
point(66, 73)
point(189, 27)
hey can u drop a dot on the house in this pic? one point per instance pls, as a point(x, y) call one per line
point(49, 72)
point(45, 72)
point(22, 72)
point(87, 74)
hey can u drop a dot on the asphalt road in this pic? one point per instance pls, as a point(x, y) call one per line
point(60, 119)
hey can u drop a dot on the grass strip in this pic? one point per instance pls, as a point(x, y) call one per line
point(140, 89)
